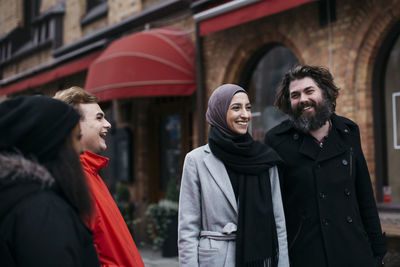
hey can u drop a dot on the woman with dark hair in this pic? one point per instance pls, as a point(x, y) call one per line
point(44, 198)
point(230, 206)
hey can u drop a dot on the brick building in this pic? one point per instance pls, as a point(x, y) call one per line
point(254, 43)
point(144, 46)
point(50, 45)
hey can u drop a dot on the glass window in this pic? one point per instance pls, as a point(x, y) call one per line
point(93, 3)
point(95, 9)
point(170, 149)
point(392, 92)
point(32, 10)
point(265, 75)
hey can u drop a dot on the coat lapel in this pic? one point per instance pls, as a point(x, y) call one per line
point(308, 147)
point(220, 175)
point(333, 146)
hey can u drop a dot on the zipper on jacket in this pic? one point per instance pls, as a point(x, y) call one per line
point(351, 161)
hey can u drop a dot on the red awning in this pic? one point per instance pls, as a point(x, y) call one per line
point(158, 62)
point(248, 13)
point(55, 73)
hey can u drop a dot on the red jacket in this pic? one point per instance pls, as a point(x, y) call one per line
point(112, 239)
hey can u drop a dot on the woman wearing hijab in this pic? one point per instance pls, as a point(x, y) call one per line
point(43, 192)
point(230, 206)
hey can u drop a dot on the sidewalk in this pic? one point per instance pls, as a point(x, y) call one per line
point(153, 258)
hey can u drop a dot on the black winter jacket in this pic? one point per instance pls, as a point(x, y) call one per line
point(37, 226)
point(330, 211)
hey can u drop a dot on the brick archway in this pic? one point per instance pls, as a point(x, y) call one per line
point(376, 27)
point(246, 49)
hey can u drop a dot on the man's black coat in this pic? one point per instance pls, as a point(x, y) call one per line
point(331, 215)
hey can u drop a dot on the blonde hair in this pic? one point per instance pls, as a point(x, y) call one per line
point(74, 96)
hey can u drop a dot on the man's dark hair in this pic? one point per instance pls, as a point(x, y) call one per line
point(321, 76)
point(67, 171)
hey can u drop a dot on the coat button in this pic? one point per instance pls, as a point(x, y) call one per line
point(296, 136)
point(325, 222)
point(346, 130)
point(322, 195)
point(344, 162)
point(347, 192)
point(349, 219)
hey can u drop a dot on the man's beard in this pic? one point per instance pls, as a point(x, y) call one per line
point(313, 121)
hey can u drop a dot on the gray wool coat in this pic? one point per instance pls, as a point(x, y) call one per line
point(208, 213)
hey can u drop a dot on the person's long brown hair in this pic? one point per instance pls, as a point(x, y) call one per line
point(67, 171)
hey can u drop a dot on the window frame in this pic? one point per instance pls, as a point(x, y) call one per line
point(94, 10)
point(379, 120)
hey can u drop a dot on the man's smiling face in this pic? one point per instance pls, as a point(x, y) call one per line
point(305, 95)
point(94, 128)
point(310, 108)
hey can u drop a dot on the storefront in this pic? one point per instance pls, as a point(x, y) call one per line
point(357, 40)
point(153, 70)
point(142, 68)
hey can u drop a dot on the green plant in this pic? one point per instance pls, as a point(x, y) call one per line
point(126, 207)
point(160, 214)
point(122, 193)
point(172, 192)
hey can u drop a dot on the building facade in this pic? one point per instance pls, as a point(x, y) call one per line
point(254, 43)
point(147, 49)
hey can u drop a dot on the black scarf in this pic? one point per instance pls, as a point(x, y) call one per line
point(248, 163)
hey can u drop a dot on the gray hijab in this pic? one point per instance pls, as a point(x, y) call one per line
point(218, 105)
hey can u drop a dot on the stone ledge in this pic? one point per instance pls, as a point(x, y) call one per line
point(390, 223)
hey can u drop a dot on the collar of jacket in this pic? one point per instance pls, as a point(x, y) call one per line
point(218, 172)
point(342, 124)
point(93, 161)
point(17, 167)
point(20, 178)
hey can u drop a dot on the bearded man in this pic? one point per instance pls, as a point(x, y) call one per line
point(331, 214)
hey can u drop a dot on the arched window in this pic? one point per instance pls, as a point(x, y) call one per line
point(261, 77)
point(386, 107)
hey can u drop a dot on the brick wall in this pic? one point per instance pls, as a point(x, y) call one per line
point(27, 63)
point(46, 4)
point(11, 15)
point(74, 11)
point(348, 47)
point(149, 3)
point(95, 25)
point(121, 9)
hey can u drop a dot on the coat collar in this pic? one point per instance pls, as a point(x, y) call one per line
point(93, 161)
point(342, 124)
point(20, 177)
point(333, 146)
point(18, 167)
point(220, 175)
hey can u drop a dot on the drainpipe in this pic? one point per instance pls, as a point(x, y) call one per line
point(200, 89)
